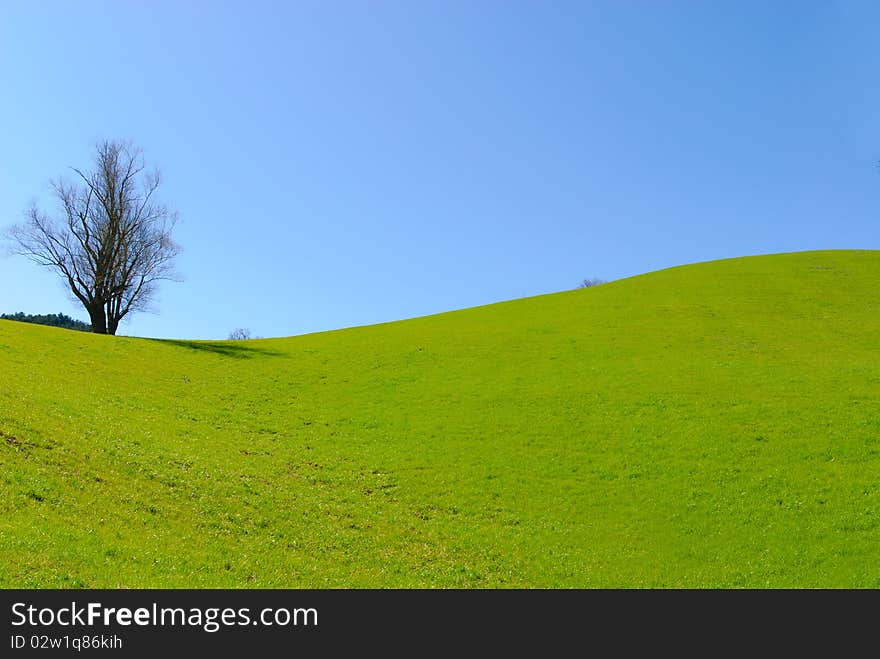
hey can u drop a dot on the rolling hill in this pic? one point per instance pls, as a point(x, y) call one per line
point(710, 425)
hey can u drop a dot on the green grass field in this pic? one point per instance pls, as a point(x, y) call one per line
point(713, 425)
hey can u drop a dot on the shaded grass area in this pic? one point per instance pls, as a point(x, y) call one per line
point(714, 425)
point(234, 349)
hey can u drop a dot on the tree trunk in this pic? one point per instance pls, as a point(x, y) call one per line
point(112, 318)
point(99, 318)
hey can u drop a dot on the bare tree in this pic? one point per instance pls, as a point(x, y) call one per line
point(240, 334)
point(111, 243)
point(589, 283)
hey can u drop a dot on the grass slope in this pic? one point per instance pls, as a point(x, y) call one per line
point(710, 425)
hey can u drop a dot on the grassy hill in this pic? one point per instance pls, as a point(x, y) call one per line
point(710, 425)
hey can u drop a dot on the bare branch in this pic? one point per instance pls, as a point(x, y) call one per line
point(112, 242)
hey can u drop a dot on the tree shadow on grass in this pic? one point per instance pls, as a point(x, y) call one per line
point(235, 350)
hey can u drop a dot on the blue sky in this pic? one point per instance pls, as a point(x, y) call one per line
point(347, 163)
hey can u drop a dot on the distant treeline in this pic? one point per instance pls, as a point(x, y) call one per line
point(53, 319)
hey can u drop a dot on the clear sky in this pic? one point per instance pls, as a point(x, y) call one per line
point(345, 163)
